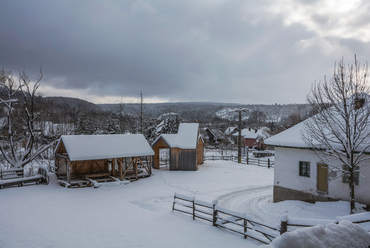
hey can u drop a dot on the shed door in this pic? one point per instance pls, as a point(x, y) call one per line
point(322, 177)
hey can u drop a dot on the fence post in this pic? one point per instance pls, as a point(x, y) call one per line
point(173, 205)
point(247, 157)
point(258, 162)
point(268, 163)
point(214, 220)
point(245, 226)
point(213, 156)
point(284, 224)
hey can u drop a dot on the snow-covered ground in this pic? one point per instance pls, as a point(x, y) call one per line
point(139, 214)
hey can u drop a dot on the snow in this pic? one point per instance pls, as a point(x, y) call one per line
point(288, 138)
point(252, 134)
point(139, 214)
point(91, 147)
point(186, 137)
point(229, 130)
point(342, 235)
point(292, 137)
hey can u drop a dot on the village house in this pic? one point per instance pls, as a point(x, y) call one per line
point(299, 174)
point(253, 138)
point(185, 148)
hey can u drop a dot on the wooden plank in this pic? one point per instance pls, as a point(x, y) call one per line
point(98, 175)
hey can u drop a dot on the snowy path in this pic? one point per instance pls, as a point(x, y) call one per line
point(251, 201)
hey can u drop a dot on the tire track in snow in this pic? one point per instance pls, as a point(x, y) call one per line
point(251, 201)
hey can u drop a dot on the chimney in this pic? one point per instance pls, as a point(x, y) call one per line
point(255, 130)
point(249, 129)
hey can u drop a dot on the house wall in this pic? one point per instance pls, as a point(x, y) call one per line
point(200, 152)
point(288, 185)
point(62, 170)
point(188, 160)
point(250, 142)
point(174, 158)
point(90, 167)
point(183, 159)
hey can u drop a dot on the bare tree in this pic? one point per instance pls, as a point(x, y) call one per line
point(340, 132)
point(21, 145)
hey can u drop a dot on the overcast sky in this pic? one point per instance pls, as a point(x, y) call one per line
point(241, 51)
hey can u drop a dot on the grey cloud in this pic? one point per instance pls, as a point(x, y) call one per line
point(180, 51)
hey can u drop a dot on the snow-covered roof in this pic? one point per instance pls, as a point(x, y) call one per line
point(92, 147)
point(290, 137)
point(252, 134)
point(186, 137)
point(229, 130)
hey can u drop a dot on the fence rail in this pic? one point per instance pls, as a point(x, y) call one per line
point(362, 219)
point(224, 218)
point(244, 160)
point(243, 224)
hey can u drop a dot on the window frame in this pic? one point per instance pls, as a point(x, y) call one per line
point(304, 172)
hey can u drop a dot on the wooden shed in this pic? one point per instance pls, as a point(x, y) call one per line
point(82, 159)
point(185, 148)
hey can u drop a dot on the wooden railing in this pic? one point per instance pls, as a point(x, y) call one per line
point(244, 160)
point(287, 223)
point(11, 173)
point(224, 218)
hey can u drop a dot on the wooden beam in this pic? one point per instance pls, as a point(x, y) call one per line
point(61, 156)
point(120, 165)
point(143, 165)
point(128, 168)
point(136, 167)
point(113, 167)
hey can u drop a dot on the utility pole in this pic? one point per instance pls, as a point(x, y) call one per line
point(240, 110)
point(141, 112)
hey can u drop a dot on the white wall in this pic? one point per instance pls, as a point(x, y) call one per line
point(286, 174)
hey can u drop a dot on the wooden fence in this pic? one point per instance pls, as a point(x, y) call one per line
point(245, 160)
point(287, 224)
point(224, 218)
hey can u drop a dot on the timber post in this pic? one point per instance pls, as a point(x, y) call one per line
point(245, 224)
point(268, 163)
point(284, 224)
point(215, 212)
point(120, 164)
point(174, 199)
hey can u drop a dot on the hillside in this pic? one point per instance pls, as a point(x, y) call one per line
point(73, 103)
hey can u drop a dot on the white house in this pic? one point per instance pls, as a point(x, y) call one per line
point(300, 175)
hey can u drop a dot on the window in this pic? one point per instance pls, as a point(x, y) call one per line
point(345, 178)
point(304, 169)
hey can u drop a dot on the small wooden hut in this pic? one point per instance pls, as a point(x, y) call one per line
point(186, 148)
point(82, 159)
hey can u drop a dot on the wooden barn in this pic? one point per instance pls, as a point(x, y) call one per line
point(185, 148)
point(82, 160)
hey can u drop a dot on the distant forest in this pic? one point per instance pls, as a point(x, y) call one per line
point(63, 115)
